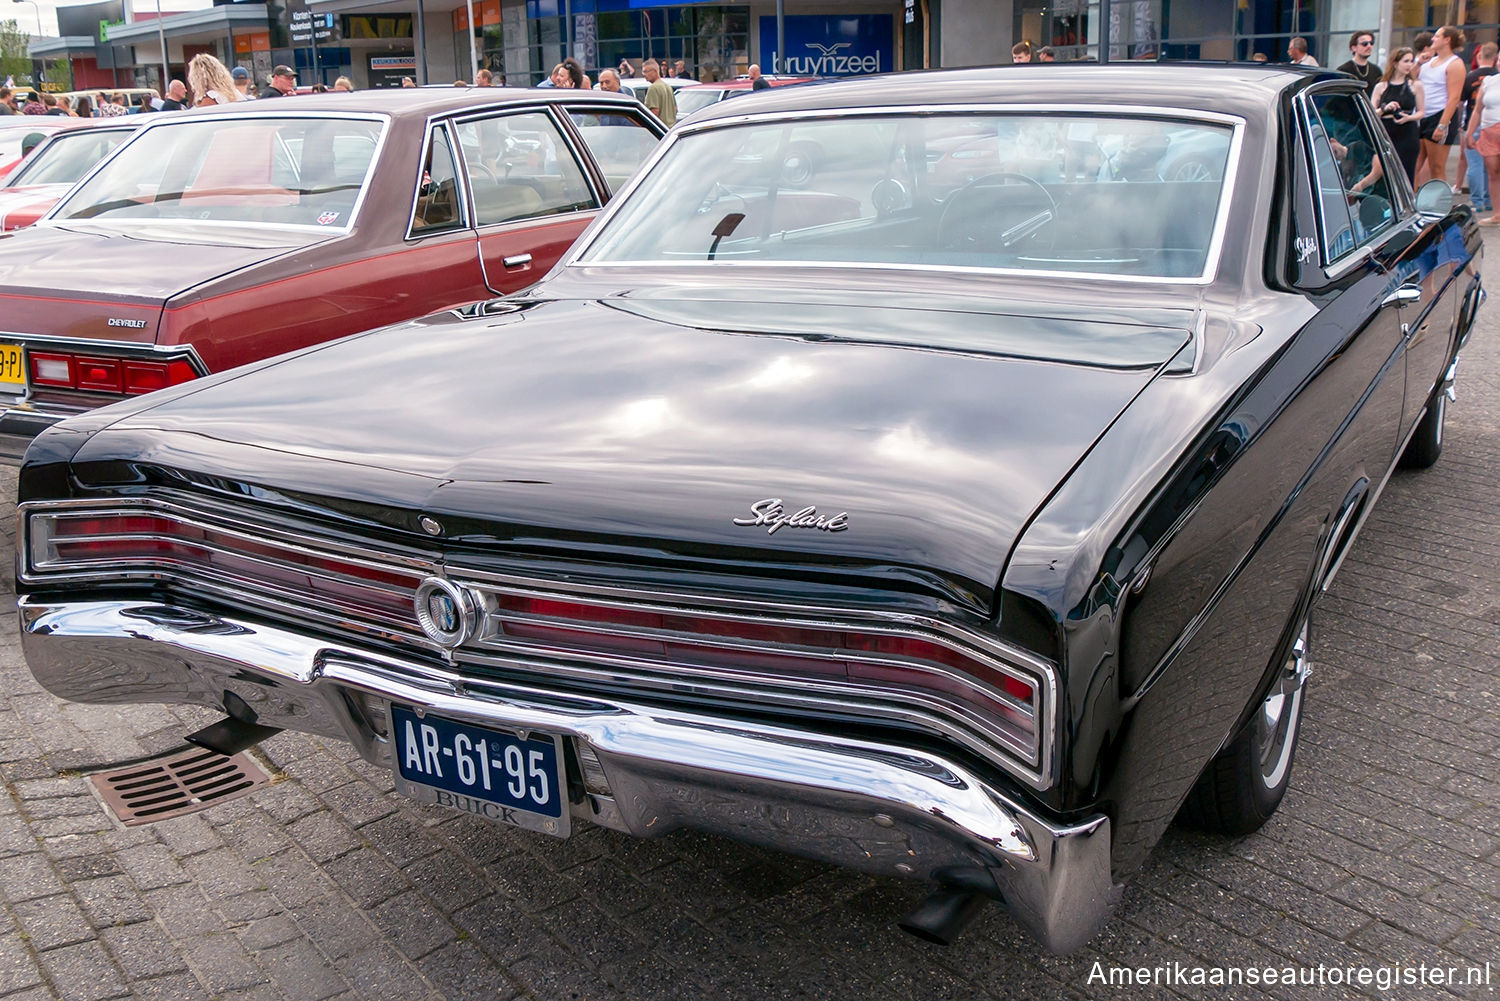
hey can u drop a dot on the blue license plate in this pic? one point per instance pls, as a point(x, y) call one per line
point(512, 778)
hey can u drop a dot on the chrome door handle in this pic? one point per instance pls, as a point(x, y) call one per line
point(517, 261)
point(1404, 294)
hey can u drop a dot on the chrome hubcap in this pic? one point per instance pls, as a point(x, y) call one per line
point(1276, 722)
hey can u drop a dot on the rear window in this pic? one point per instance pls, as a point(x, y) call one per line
point(691, 99)
point(67, 158)
point(1090, 194)
point(300, 171)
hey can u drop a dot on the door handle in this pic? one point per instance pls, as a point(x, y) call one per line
point(517, 261)
point(1404, 294)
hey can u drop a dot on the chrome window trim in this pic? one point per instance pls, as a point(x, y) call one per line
point(1404, 211)
point(384, 121)
point(636, 112)
point(582, 159)
point(1211, 260)
point(607, 667)
point(460, 183)
point(270, 227)
point(504, 112)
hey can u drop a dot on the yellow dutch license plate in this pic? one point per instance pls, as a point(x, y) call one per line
point(12, 368)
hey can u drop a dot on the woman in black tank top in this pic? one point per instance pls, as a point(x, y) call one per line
point(1400, 108)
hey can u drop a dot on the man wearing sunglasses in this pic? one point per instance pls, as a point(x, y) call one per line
point(1361, 47)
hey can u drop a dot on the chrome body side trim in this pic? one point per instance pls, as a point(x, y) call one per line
point(876, 807)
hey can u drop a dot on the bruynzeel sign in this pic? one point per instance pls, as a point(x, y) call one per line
point(831, 45)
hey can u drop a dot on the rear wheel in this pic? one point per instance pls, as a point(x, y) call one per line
point(1426, 442)
point(1244, 785)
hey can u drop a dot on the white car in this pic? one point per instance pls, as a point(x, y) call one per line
point(636, 85)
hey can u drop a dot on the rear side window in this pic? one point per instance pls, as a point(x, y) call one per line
point(438, 205)
point(619, 142)
point(519, 167)
point(1355, 201)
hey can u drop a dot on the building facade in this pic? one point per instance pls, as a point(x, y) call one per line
point(378, 42)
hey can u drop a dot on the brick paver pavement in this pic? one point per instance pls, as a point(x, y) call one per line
point(326, 885)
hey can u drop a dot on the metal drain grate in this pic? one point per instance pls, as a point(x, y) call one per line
point(181, 783)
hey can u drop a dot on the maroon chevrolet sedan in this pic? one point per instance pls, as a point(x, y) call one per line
point(226, 235)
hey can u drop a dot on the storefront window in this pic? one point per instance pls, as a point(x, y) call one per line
point(1479, 20)
point(712, 41)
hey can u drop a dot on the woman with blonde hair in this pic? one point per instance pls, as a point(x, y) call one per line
point(210, 81)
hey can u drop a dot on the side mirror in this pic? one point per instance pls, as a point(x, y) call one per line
point(1434, 199)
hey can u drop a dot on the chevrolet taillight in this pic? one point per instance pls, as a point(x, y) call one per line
point(100, 374)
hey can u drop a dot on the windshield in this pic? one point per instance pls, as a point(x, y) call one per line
point(68, 157)
point(301, 171)
point(1091, 194)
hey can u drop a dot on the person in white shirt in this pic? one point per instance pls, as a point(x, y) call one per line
point(1296, 51)
point(1441, 80)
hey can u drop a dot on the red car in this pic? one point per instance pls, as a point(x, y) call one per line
point(225, 235)
point(57, 164)
point(699, 96)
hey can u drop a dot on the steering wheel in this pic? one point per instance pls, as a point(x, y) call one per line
point(984, 216)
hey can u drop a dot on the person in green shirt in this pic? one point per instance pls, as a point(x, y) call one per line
point(660, 100)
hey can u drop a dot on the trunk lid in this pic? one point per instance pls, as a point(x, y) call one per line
point(97, 282)
point(657, 431)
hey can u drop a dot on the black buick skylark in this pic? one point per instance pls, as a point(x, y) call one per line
point(934, 475)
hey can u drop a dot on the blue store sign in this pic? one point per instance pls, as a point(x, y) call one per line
point(831, 45)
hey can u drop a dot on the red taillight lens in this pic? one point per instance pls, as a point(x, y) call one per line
point(107, 375)
point(62, 543)
point(100, 374)
point(52, 370)
point(147, 377)
point(727, 644)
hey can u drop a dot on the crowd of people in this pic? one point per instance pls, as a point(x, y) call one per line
point(1432, 101)
point(208, 82)
point(1429, 98)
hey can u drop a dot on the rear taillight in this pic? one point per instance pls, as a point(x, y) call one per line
point(100, 374)
point(52, 370)
point(61, 543)
point(149, 376)
point(950, 672)
point(97, 374)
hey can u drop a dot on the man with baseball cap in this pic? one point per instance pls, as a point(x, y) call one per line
point(283, 82)
point(242, 83)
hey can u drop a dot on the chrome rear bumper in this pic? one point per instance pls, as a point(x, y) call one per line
point(884, 809)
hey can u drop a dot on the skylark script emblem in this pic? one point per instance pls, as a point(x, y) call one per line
point(772, 515)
